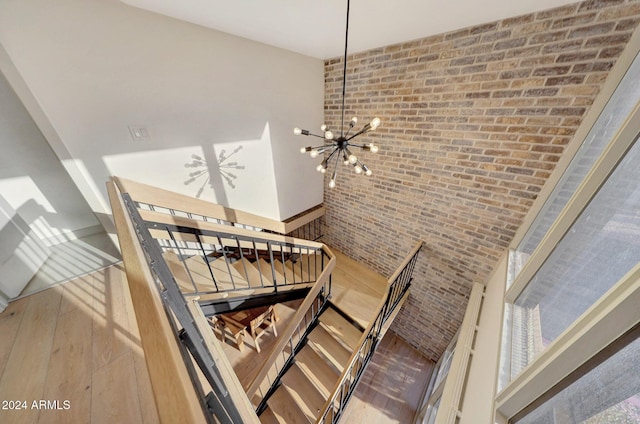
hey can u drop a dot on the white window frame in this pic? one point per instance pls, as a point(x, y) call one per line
point(617, 311)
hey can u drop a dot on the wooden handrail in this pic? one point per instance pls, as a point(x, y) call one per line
point(164, 218)
point(366, 333)
point(170, 200)
point(303, 218)
point(404, 263)
point(293, 325)
point(228, 375)
point(175, 396)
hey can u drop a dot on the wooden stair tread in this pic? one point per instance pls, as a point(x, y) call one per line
point(267, 417)
point(249, 272)
point(248, 292)
point(304, 268)
point(304, 392)
point(287, 272)
point(341, 328)
point(330, 348)
point(317, 370)
point(284, 408)
point(312, 264)
point(200, 273)
point(268, 274)
point(301, 274)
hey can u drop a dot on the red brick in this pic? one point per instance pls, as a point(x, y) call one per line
point(474, 121)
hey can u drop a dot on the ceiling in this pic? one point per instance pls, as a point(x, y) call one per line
point(316, 27)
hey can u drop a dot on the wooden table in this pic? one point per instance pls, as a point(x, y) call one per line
point(253, 321)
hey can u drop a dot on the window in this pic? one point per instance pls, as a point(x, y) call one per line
point(607, 125)
point(608, 392)
point(574, 283)
point(597, 251)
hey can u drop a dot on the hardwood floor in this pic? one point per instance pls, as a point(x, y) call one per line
point(392, 385)
point(79, 342)
point(76, 342)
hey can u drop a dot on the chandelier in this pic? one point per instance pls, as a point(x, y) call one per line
point(338, 147)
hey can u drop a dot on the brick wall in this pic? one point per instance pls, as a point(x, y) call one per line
point(473, 123)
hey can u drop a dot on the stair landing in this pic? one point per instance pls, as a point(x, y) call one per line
point(355, 288)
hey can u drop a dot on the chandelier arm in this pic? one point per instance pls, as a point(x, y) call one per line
point(316, 135)
point(335, 168)
point(360, 146)
point(332, 153)
point(362, 131)
point(344, 70)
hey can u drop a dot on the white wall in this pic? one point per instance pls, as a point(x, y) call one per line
point(92, 68)
point(32, 180)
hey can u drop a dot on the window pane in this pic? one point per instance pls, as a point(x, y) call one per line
point(432, 411)
point(608, 123)
point(608, 394)
point(601, 246)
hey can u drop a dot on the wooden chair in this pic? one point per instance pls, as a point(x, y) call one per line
point(255, 321)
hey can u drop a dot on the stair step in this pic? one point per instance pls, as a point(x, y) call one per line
point(285, 409)
point(249, 271)
point(342, 329)
point(287, 272)
point(304, 392)
point(327, 346)
point(306, 267)
point(317, 370)
point(268, 274)
point(201, 275)
point(267, 417)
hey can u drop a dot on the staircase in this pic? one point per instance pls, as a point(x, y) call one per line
point(187, 260)
point(307, 385)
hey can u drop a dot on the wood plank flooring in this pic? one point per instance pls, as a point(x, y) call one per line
point(79, 342)
point(76, 342)
point(391, 386)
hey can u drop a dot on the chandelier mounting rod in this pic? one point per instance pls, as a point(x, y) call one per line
point(339, 146)
point(344, 69)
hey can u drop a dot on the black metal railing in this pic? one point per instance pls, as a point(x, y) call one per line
point(311, 230)
point(294, 344)
point(208, 262)
point(184, 243)
point(397, 288)
point(219, 407)
point(190, 215)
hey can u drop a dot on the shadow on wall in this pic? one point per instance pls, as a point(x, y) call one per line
point(235, 173)
point(221, 166)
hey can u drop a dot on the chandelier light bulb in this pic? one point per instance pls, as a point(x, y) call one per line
point(332, 183)
point(328, 135)
point(354, 121)
point(353, 159)
point(320, 168)
point(323, 127)
point(375, 123)
point(297, 131)
point(357, 169)
point(313, 153)
point(368, 172)
point(373, 148)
